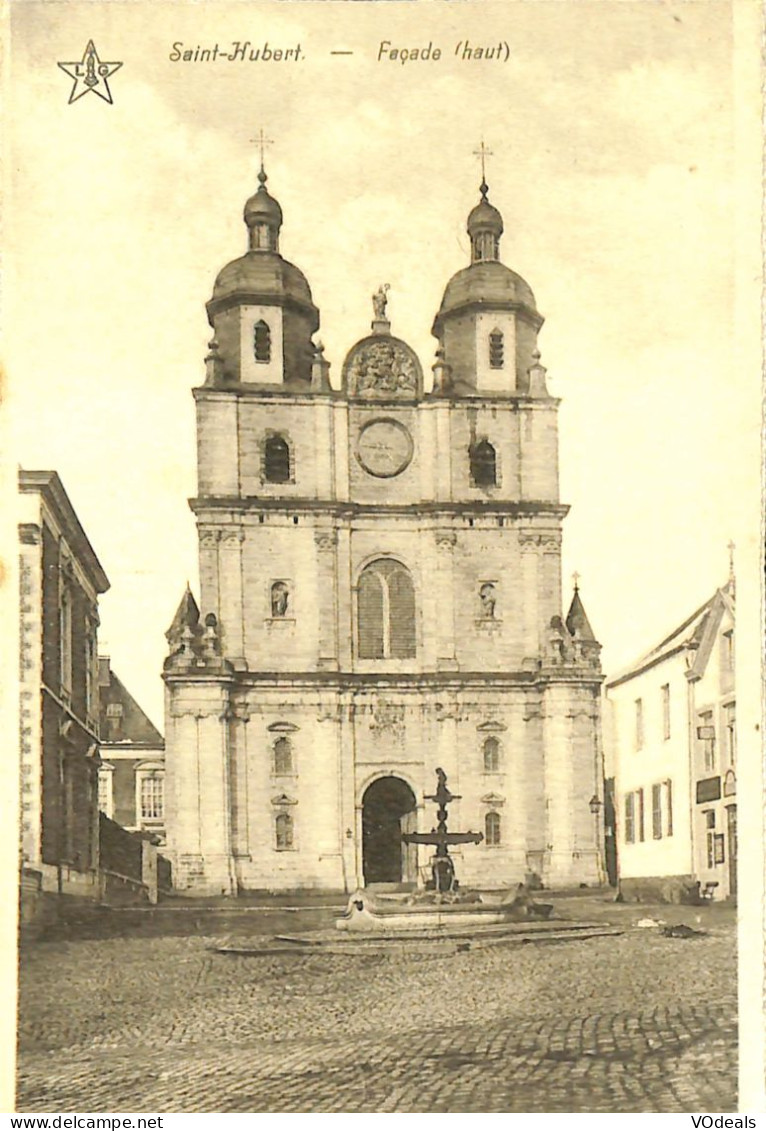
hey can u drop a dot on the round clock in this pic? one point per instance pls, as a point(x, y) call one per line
point(384, 448)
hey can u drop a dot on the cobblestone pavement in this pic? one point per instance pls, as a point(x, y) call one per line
point(635, 1022)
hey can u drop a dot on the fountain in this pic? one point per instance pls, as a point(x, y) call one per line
point(441, 907)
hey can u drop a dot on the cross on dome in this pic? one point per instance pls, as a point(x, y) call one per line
point(482, 152)
point(262, 142)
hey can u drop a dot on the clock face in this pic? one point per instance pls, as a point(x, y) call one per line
point(384, 448)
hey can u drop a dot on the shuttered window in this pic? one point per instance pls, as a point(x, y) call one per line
point(483, 464)
point(277, 460)
point(262, 341)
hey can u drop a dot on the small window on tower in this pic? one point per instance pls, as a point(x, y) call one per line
point(277, 460)
point(262, 341)
point(483, 464)
point(496, 352)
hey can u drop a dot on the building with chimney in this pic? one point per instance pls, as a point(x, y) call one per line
point(380, 596)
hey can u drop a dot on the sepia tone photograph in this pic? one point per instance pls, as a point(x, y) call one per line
point(383, 404)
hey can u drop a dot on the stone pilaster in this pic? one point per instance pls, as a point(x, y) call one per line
point(231, 612)
point(199, 787)
point(530, 553)
point(326, 541)
point(444, 621)
point(208, 570)
point(240, 782)
point(571, 851)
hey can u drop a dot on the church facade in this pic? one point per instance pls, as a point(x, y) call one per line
point(380, 596)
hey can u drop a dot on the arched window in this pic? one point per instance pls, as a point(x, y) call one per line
point(284, 831)
point(262, 341)
point(386, 611)
point(283, 756)
point(496, 351)
point(491, 755)
point(277, 460)
point(492, 828)
point(483, 464)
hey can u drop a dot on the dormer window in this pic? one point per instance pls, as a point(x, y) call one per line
point(496, 350)
point(262, 341)
point(277, 460)
point(483, 464)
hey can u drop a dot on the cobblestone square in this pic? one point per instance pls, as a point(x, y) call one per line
point(160, 1022)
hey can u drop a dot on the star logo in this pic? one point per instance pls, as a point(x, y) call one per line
point(90, 75)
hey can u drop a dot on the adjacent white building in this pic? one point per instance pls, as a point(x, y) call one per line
point(670, 738)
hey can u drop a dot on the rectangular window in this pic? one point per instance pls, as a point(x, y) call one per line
point(639, 723)
point(657, 812)
point(641, 807)
point(666, 711)
point(105, 792)
point(731, 734)
point(630, 818)
point(152, 798)
point(65, 643)
point(669, 807)
point(706, 737)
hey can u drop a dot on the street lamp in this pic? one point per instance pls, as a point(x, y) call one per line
point(594, 805)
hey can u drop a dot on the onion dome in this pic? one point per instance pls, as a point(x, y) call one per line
point(485, 227)
point(262, 210)
point(490, 285)
point(261, 275)
point(486, 282)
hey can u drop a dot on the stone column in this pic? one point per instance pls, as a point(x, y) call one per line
point(326, 542)
point(444, 624)
point(231, 612)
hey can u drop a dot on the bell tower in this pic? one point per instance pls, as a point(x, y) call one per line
point(488, 322)
point(261, 311)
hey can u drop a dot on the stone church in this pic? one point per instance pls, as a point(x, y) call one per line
point(380, 595)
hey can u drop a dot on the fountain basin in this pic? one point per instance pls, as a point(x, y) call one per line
point(366, 915)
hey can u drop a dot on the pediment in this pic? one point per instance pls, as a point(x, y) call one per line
point(282, 728)
point(492, 725)
point(284, 799)
point(493, 799)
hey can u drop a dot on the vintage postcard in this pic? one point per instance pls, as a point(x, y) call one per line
point(383, 437)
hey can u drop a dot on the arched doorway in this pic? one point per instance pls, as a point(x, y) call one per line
point(389, 809)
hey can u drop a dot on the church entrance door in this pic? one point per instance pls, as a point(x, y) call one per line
point(388, 810)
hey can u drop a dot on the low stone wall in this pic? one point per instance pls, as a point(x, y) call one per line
point(659, 889)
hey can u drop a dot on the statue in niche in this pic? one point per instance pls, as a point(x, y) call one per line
point(488, 598)
point(380, 301)
point(280, 599)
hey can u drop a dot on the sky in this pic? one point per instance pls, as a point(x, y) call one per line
point(617, 163)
